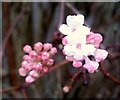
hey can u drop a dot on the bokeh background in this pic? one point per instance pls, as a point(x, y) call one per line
point(27, 23)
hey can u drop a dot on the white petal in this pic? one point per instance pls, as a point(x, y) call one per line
point(83, 30)
point(64, 29)
point(75, 38)
point(74, 21)
point(88, 49)
point(78, 55)
point(69, 50)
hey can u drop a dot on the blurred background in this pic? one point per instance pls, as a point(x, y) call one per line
point(27, 23)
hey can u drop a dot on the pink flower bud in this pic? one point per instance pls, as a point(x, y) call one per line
point(94, 38)
point(96, 45)
point(90, 38)
point(100, 54)
point(69, 58)
point(29, 79)
point(38, 46)
point(66, 89)
point(38, 66)
point(64, 41)
point(27, 48)
point(23, 71)
point(50, 62)
point(34, 73)
point(77, 63)
point(47, 46)
point(28, 66)
point(24, 63)
point(45, 69)
point(98, 38)
point(27, 57)
point(33, 53)
point(53, 51)
point(45, 56)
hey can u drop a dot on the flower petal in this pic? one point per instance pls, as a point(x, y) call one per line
point(91, 66)
point(74, 21)
point(77, 63)
point(100, 54)
point(64, 29)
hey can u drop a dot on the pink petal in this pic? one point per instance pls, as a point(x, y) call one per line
point(45, 69)
point(29, 79)
point(91, 66)
point(64, 41)
point(34, 73)
point(94, 38)
point(24, 63)
point(69, 58)
point(98, 38)
point(77, 63)
point(100, 54)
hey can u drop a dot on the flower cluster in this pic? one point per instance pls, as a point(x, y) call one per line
point(80, 43)
point(37, 60)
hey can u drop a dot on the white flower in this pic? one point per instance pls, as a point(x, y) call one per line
point(76, 38)
point(82, 30)
point(88, 49)
point(73, 22)
point(69, 50)
point(78, 55)
point(65, 29)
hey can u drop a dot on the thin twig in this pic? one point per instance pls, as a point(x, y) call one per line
point(70, 83)
point(26, 85)
point(23, 90)
point(107, 74)
point(56, 66)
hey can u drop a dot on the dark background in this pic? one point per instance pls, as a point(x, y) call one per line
point(28, 23)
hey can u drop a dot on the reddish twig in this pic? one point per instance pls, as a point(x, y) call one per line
point(70, 83)
point(107, 74)
point(25, 84)
point(55, 67)
point(23, 90)
point(113, 46)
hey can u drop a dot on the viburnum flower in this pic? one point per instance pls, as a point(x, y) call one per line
point(80, 43)
point(37, 60)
